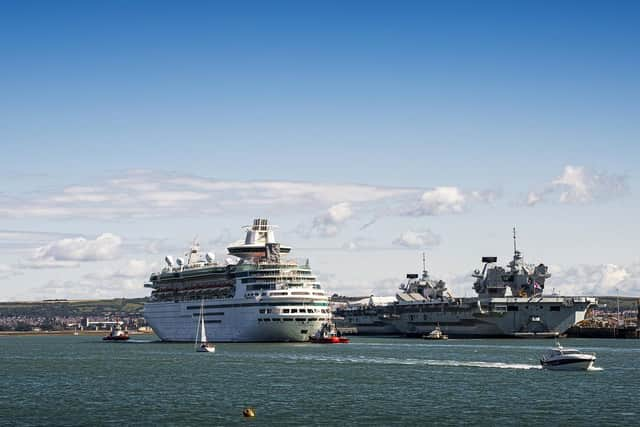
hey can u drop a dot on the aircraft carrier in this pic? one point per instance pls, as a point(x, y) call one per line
point(510, 303)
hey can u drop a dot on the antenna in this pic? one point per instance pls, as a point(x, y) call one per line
point(514, 241)
point(424, 262)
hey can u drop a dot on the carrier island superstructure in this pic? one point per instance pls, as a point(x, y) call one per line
point(264, 296)
point(509, 303)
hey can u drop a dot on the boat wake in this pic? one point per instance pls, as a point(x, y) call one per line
point(414, 362)
point(471, 364)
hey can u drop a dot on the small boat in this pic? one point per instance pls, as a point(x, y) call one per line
point(328, 334)
point(116, 334)
point(567, 359)
point(436, 334)
point(202, 345)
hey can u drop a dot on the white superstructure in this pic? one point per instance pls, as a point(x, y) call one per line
point(262, 297)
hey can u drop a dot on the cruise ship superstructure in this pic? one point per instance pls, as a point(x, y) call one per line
point(263, 297)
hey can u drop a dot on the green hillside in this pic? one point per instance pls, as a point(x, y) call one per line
point(69, 308)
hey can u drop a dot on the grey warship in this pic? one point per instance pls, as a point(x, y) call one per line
point(509, 303)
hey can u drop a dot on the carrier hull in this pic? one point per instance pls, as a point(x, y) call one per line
point(499, 317)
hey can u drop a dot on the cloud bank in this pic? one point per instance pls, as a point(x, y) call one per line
point(142, 194)
point(418, 239)
point(124, 282)
point(69, 252)
point(600, 279)
point(579, 185)
point(329, 223)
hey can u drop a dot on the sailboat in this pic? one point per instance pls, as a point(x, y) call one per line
point(202, 344)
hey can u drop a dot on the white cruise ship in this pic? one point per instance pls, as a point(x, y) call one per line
point(263, 297)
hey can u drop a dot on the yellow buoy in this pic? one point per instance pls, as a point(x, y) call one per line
point(249, 412)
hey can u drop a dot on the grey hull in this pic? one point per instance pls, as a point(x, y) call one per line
point(498, 317)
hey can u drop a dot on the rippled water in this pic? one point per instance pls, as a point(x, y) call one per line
point(80, 380)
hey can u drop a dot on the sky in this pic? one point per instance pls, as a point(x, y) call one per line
point(369, 132)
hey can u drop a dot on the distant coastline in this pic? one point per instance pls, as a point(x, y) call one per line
point(64, 333)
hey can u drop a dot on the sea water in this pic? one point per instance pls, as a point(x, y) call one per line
point(81, 380)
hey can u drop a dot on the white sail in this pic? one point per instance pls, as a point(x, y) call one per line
point(202, 345)
point(203, 333)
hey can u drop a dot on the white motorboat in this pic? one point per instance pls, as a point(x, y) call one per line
point(567, 359)
point(204, 345)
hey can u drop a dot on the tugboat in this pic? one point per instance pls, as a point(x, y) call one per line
point(116, 334)
point(436, 334)
point(567, 359)
point(328, 334)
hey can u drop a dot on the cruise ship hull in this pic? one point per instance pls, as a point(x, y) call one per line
point(230, 320)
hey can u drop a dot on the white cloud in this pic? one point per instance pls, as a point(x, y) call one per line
point(328, 224)
point(291, 191)
point(222, 240)
point(443, 200)
point(384, 287)
point(39, 264)
point(601, 279)
point(87, 288)
point(459, 284)
point(69, 251)
point(485, 196)
point(534, 198)
point(365, 288)
point(358, 243)
point(82, 194)
point(418, 239)
point(133, 268)
point(578, 185)
point(20, 239)
point(145, 194)
point(359, 285)
point(123, 282)
point(156, 246)
point(440, 201)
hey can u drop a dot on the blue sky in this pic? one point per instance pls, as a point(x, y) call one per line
point(156, 121)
